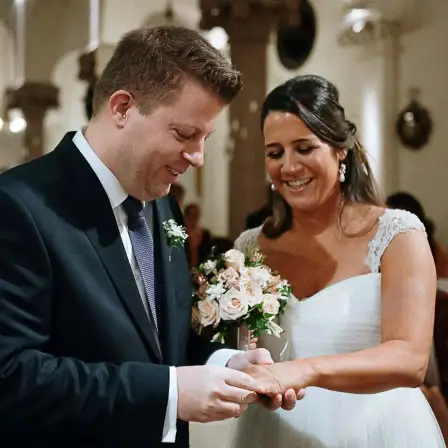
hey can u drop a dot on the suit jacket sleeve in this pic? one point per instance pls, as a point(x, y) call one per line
point(39, 390)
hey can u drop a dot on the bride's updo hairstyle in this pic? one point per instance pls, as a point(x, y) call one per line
point(315, 101)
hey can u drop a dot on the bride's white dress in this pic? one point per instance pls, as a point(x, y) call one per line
point(342, 318)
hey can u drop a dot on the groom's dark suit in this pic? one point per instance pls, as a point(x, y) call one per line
point(80, 363)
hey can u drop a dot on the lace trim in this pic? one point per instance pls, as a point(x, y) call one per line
point(247, 242)
point(391, 224)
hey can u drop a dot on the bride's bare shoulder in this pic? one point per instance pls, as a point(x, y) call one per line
point(361, 218)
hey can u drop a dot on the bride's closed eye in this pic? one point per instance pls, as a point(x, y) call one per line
point(306, 150)
point(275, 154)
point(278, 154)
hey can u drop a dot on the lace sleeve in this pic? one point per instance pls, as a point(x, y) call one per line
point(391, 224)
point(247, 242)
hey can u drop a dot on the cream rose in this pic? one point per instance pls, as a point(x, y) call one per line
point(209, 310)
point(233, 305)
point(252, 290)
point(271, 304)
point(235, 259)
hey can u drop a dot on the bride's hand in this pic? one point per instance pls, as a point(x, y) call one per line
point(297, 374)
point(285, 397)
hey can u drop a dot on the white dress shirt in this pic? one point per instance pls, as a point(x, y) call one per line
point(117, 196)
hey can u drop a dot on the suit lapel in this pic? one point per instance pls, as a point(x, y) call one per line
point(164, 283)
point(100, 226)
point(109, 246)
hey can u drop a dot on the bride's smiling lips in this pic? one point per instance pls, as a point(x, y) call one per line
point(297, 184)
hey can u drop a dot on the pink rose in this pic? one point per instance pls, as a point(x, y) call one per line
point(209, 312)
point(229, 277)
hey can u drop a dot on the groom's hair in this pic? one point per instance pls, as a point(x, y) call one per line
point(152, 63)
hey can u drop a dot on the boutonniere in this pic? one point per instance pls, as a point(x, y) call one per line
point(176, 234)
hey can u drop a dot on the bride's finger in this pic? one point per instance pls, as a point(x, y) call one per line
point(289, 400)
point(300, 394)
point(271, 403)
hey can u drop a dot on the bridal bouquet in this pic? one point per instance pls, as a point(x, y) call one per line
point(234, 293)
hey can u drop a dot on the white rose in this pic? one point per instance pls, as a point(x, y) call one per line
point(271, 304)
point(235, 259)
point(233, 305)
point(209, 310)
point(260, 275)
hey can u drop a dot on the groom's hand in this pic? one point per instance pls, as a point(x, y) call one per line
point(212, 393)
point(244, 361)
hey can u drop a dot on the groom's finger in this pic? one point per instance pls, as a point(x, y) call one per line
point(225, 410)
point(259, 356)
point(244, 381)
point(237, 395)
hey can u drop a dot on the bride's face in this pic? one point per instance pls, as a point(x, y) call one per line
point(303, 169)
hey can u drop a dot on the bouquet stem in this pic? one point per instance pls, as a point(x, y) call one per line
point(243, 337)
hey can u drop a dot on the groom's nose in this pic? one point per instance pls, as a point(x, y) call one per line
point(195, 155)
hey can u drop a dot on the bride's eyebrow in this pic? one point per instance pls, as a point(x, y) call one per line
point(298, 140)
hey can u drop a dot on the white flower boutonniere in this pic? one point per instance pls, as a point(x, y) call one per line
point(175, 234)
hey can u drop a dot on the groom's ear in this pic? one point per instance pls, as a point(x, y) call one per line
point(120, 104)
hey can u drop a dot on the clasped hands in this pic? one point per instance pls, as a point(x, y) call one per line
point(256, 363)
point(212, 393)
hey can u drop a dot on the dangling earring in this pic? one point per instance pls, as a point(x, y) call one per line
point(272, 187)
point(342, 171)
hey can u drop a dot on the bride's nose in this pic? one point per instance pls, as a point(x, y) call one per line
point(290, 165)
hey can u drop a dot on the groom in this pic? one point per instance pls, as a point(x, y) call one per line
point(95, 306)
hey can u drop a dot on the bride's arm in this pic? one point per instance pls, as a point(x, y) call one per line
point(408, 300)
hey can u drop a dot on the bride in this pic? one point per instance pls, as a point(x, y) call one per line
point(363, 280)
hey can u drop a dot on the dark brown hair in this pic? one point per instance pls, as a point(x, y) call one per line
point(316, 102)
point(151, 64)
